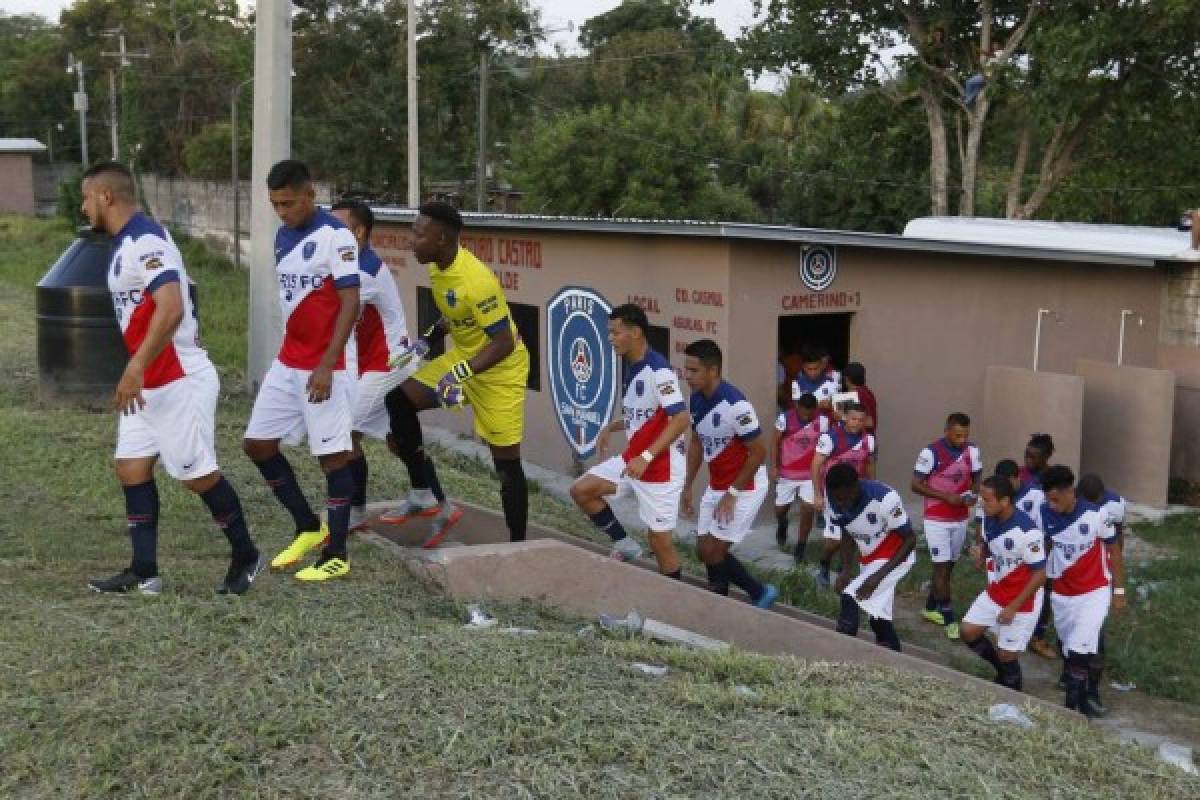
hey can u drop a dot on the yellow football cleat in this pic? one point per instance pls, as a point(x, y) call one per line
point(325, 569)
point(933, 616)
point(303, 542)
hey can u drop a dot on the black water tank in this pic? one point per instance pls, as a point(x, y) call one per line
point(80, 350)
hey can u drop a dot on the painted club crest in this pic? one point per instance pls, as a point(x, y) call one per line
point(818, 267)
point(582, 365)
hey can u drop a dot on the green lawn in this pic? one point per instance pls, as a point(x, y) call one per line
point(371, 687)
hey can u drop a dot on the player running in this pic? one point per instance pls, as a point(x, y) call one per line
point(947, 475)
point(1014, 553)
point(167, 394)
point(1088, 574)
point(870, 515)
point(726, 436)
point(654, 418)
point(1091, 488)
point(383, 358)
point(485, 367)
point(1037, 456)
point(816, 377)
point(845, 443)
point(308, 390)
point(794, 444)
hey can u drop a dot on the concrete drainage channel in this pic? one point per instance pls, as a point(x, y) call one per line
point(576, 576)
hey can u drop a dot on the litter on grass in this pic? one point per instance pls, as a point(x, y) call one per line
point(653, 670)
point(478, 618)
point(1009, 714)
point(1177, 755)
point(1123, 687)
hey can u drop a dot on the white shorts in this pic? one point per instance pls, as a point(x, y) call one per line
point(282, 411)
point(176, 425)
point(787, 491)
point(1012, 637)
point(945, 540)
point(658, 503)
point(879, 604)
point(744, 511)
point(1079, 618)
point(370, 415)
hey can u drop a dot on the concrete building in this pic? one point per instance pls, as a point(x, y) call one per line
point(944, 318)
point(16, 175)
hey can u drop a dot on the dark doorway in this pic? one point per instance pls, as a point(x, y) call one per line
point(831, 331)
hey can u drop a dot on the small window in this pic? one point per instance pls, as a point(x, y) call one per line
point(659, 338)
point(524, 316)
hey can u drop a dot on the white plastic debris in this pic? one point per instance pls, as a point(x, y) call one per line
point(586, 631)
point(520, 631)
point(478, 618)
point(1010, 714)
point(1177, 755)
point(630, 624)
point(744, 691)
point(1123, 687)
point(652, 670)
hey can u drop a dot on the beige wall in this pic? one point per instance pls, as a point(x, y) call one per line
point(654, 271)
point(16, 176)
point(1128, 413)
point(1184, 362)
point(1009, 416)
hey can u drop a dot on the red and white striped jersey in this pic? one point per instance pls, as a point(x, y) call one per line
point(1016, 547)
point(312, 263)
point(144, 259)
point(724, 423)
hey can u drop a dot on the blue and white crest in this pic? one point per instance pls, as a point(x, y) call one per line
point(309, 249)
point(872, 518)
point(639, 387)
point(451, 298)
point(582, 365)
point(1008, 543)
point(1083, 527)
point(716, 419)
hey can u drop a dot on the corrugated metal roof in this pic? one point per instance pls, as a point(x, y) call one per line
point(782, 233)
point(21, 146)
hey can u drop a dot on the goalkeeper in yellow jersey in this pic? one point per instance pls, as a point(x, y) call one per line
point(485, 366)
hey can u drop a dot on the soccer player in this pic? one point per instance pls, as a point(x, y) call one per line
point(383, 360)
point(947, 475)
point(1016, 569)
point(794, 443)
point(817, 378)
point(307, 390)
point(485, 367)
point(167, 394)
point(871, 516)
point(856, 381)
point(1091, 488)
point(726, 436)
point(1086, 565)
point(654, 418)
point(1037, 455)
point(845, 443)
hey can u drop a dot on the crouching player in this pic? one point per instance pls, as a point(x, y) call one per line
point(1088, 574)
point(1016, 569)
point(871, 515)
point(726, 435)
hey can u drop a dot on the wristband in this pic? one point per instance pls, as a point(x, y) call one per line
point(733, 491)
point(461, 371)
point(1119, 590)
point(647, 456)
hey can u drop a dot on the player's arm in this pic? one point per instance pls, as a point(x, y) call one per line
point(695, 457)
point(824, 449)
point(1116, 562)
point(501, 343)
point(976, 470)
point(749, 434)
point(848, 551)
point(1037, 579)
point(774, 459)
point(897, 522)
point(490, 310)
point(168, 313)
point(343, 271)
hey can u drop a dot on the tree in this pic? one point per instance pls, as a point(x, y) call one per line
point(1055, 69)
point(206, 155)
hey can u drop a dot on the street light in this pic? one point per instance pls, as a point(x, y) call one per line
point(81, 105)
point(235, 95)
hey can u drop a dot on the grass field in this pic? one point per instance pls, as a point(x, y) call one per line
point(371, 687)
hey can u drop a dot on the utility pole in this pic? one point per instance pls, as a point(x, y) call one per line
point(481, 162)
point(272, 143)
point(80, 105)
point(122, 55)
point(414, 179)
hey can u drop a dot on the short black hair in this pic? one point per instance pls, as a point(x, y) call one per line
point(443, 213)
point(958, 420)
point(856, 373)
point(1007, 468)
point(1042, 442)
point(807, 400)
point(706, 351)
point(631, 315)
point(853, 406)
point(1090, 487)
point(810, 354)
point(1000, 485)
point(288, 174)
point(841, 476)
point(1058, 476)
point(360, 212)
point(116, 175)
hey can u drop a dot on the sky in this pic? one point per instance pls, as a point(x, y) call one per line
point(731, 15)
